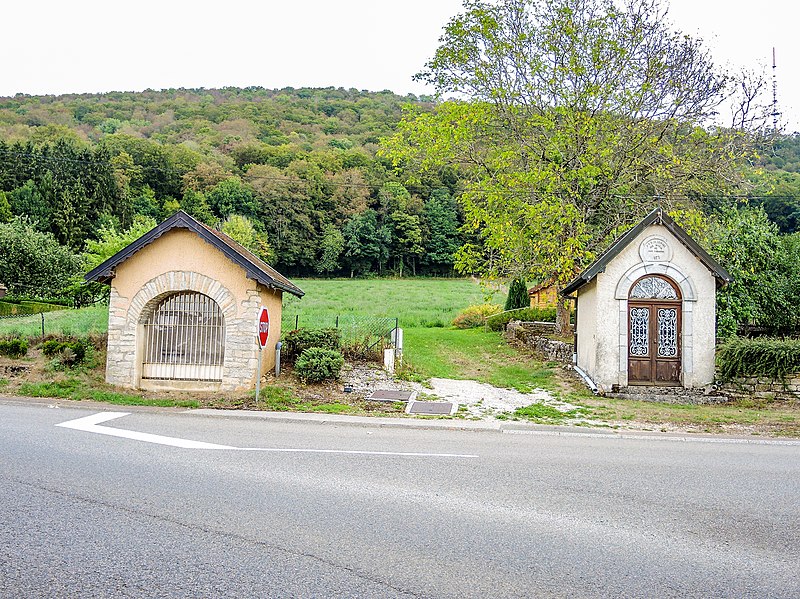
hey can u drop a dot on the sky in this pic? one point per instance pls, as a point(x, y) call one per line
point(73, 46)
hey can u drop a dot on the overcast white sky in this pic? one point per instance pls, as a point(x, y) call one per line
point(63, 46)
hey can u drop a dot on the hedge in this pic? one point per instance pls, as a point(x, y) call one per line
point(498, 322)
point(761, 357)
point(14, 348)
point(475, 316)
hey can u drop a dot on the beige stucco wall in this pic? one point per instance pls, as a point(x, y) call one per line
point(585, 326)
point(181, 261)
point(603, 308)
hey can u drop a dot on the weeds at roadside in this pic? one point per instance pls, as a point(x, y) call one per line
point(76, 390)
point(542, 413)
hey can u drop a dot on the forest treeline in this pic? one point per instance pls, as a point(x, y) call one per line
point(295, 173)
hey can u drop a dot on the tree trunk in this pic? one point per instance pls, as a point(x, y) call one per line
point(563, 328)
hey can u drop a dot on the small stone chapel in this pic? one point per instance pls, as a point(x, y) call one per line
point(646, 310)
point(184, 306)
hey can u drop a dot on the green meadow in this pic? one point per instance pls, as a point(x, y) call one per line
point(417, 302)
point(424, 308)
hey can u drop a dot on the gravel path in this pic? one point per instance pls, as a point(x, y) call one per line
point(486, 401)
point(481, 400)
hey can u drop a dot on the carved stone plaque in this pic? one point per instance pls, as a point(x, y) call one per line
point(655, 249)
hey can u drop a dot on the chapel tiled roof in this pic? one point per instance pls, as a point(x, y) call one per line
point(656, 217)
point(254, 266)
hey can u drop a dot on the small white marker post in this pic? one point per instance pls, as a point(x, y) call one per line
point(261, 337)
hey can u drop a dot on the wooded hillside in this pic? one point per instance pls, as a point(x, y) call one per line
point(291, 173)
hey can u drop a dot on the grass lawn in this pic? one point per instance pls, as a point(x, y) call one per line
point(414, 302)
point(91, 320)
point(473, 354)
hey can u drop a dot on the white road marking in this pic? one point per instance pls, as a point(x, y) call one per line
point(91, 424)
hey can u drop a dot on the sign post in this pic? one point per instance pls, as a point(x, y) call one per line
point(261, 337)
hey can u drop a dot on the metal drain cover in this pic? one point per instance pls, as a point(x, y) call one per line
point(391, 395)
point(431, 407)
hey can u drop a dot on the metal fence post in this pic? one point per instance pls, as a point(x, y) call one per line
point(42, 324)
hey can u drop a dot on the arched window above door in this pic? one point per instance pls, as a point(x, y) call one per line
point(654, 287)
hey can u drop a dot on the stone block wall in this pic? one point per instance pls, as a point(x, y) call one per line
point(529, 334)
point(762, 388)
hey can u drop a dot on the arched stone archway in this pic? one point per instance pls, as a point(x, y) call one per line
point(687, 298)
point(184, 339)
point(126, 328)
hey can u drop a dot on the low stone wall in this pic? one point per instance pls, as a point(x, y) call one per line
point(530, 334)
point(763, 388)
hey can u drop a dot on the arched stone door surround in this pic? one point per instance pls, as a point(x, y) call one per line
point(654, 332)
point(164, 285)
point(684, 305)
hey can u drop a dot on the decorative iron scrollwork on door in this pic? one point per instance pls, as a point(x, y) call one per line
point(653, 288)
point(640, 331)
point(667, 332)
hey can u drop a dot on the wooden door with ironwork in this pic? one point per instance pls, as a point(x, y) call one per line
point(654, 333)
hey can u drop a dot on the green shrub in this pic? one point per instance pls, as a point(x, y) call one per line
point(763, 357)
point(499, 321)
point(297, 341)
point(69, 352)
point(317, 364)
point(475, 316)
point(362, 348)
point(14, 348)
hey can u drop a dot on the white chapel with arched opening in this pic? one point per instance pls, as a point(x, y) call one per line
point(646, 309)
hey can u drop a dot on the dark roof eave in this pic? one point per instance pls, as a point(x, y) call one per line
point(657, 216)
point(104, 273)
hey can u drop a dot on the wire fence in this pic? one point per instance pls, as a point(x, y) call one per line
point(28, 311)
point(365, 331)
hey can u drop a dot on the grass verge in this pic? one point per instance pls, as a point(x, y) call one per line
point(473, 354)
point(750, 416)
point(76, 390)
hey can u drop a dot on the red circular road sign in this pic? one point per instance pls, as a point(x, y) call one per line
point(263, 327)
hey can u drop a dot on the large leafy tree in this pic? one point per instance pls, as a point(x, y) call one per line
point(441, 238)
point(365, 243)
point(571, 118)
point(32, 262)
point(763, 264)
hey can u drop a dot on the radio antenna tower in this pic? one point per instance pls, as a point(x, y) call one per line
point(775, 112)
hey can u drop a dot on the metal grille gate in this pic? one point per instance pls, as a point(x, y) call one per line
point(184, 339)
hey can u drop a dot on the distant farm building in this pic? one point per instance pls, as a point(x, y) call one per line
point(184, 306)
point(544, 295)
point(646, 309)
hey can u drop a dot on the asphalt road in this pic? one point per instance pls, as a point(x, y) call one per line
point(533, 515)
